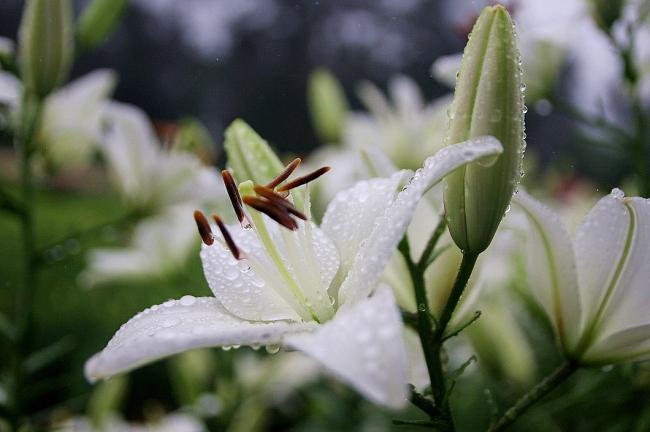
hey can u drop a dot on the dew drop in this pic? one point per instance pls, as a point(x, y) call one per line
point(187, 300)
point(272, 348)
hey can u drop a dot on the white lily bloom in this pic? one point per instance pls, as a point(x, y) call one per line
point(147, 176)
point(174, 422)
point(71, 121)
point(594, 288)
point(402, 126)
point(159, 245)
point(551, 33)
point(70, 126)
point(311, 289)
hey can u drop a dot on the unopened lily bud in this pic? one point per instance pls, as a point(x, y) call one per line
point(46, 44)
point(327, 105)
point(249, 156)
point(192, 137)
point(606, 12)
point(488, 101)
point(98, 20)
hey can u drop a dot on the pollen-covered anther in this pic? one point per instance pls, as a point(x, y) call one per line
point(204, 228)
point(236, 252)
point(233, 194)
point(279, 200)
point(277, 212)
point(304, 179)
point(284, 174)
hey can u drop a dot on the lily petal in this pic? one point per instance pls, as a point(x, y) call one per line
point(364, 346)
point(632, 344)
point(351, 215)
point(239, 289)
point(616, 272)
point(180, 325)
point(389, 228)
point(552, 267)
point(129, 147)
point(10, 88)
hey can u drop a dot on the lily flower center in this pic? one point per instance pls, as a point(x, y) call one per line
point(293, 257)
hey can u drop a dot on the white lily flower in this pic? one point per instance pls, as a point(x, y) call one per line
point(551, 34)
point(147, 176)
point(70, 126)
point(173, 422)
point(159, 245)
point(311, 289)
point(594, 288)
point(405, 128)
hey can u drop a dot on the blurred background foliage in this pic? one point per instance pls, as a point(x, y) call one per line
point(218, 60)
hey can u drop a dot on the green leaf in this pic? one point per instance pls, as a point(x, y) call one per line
point(48, 355)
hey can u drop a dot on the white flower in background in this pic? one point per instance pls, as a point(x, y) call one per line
point(70, 126)
point(174, 422)
point(162, 185)
point(159, 245)
point(273, 379)
point(594, 288)
point(398, 132)
point(306, 288)
point(147, 176)
point(403, 127)
point(550, 34)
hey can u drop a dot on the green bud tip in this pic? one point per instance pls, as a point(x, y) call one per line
point(488, 101)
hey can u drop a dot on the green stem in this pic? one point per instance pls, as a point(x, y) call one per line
point(535, 394)
point(25, 291)
point(466, 267)
point(433, 241)
point(424, 324)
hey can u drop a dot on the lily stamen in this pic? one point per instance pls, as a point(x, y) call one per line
point(284, 174)
point(204, 228)
point(276, 198)
point(304, 179)
point(276, 212)
point(236, 252)
point(233, 194)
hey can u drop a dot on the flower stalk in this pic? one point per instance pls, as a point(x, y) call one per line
point(544, 387)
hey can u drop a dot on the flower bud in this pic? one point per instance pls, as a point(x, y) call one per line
point(248, 155)
point(327, 105)
point(606, 12)
point(488, 101)
point(98, 20)
point(46, 44)
point(192, 137)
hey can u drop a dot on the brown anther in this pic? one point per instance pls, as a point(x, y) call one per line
point(233, 193)
point(204, 227)
point(284, 174)
point(304, 179)
point(276, 198)
point(274, 211)
point(234, 250)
